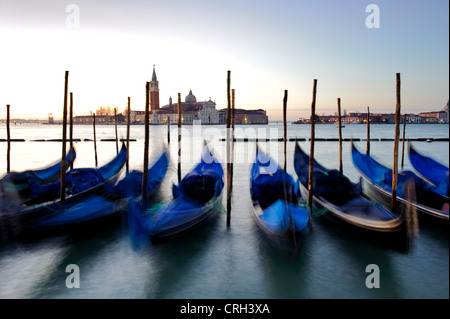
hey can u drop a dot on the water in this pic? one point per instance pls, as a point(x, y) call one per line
point(216, 261)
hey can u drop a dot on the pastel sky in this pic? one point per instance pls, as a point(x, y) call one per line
point(110, 47)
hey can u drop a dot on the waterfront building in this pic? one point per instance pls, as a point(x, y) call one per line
point(204, 112)
point(413, 119)
point(243, 116)
point(435, 116)
point(99, 119)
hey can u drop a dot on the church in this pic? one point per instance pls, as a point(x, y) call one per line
point(192, 110)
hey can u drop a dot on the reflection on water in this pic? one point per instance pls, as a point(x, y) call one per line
point(25, 268)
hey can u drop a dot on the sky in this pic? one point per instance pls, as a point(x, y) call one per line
point(353, 48)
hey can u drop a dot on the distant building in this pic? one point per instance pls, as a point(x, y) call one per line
point(243, 116)
point(352, 119)
point(435, 116)
point(445, 109)
point(154, 92)
point(385, 118)
point(99, 119)
point(413, 119)
point(136, 116)
point(192, 110)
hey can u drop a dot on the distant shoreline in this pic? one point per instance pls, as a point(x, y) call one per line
point(19, 122)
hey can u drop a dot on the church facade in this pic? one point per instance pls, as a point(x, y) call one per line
point(192, 110)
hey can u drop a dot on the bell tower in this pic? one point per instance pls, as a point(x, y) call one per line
point(154, 92)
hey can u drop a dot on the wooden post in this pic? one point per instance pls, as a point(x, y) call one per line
point(287, 197)
point(403, 140)
point(397, 134)
point(179, 137)
point(128, 135)
point(168, 129)
point(228, 150)
point(115, 124)
point(368, 132)
point(284, 126)
point(8, 136)
point(64, 138)
point(146, 146)
point(71, 129)
point(232, 138)
point(412, 222)
point(311, 152)
point(340, 134)
point(95, 140)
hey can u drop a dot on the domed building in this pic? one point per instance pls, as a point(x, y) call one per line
point(190, 98)
point(193, 110)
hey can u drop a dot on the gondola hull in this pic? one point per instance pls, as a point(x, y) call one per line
point(16, 187)
point(431, 170)
point(102, 202)
point(359, 205)
point(285, 237)
point(377, 184)
point(197, 197)
point(275, 204)
point(344, 200)
point(102, 184)
point(384, 197)
point(175, 218)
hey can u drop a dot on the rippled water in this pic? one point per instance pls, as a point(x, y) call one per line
point(216, 261)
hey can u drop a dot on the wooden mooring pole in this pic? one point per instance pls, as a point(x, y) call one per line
point(168, 129)
point(368, 132)
point(179, 137)
point(403, 140)
point(71, 129)
point(233, 94)
point(146, 145)
point(64, 139)
point(115, 125)
point(95, 140)
point(340, 134)
point(128, 135)
point(285, 129)
point(311, 152)
point(228, 144)
point(8, 137)
point(396, 142)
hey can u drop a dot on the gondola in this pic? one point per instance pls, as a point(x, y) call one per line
point(428, 198)
point(15, 187)
point(80, 183)
point(131, 185)
point(197, 197)
point(93, 207)
point(430, 169)
point(343, 199)
point(275, 200)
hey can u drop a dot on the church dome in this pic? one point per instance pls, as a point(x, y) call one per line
point(190, 98)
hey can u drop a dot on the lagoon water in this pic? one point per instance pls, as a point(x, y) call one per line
point(216, 261)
